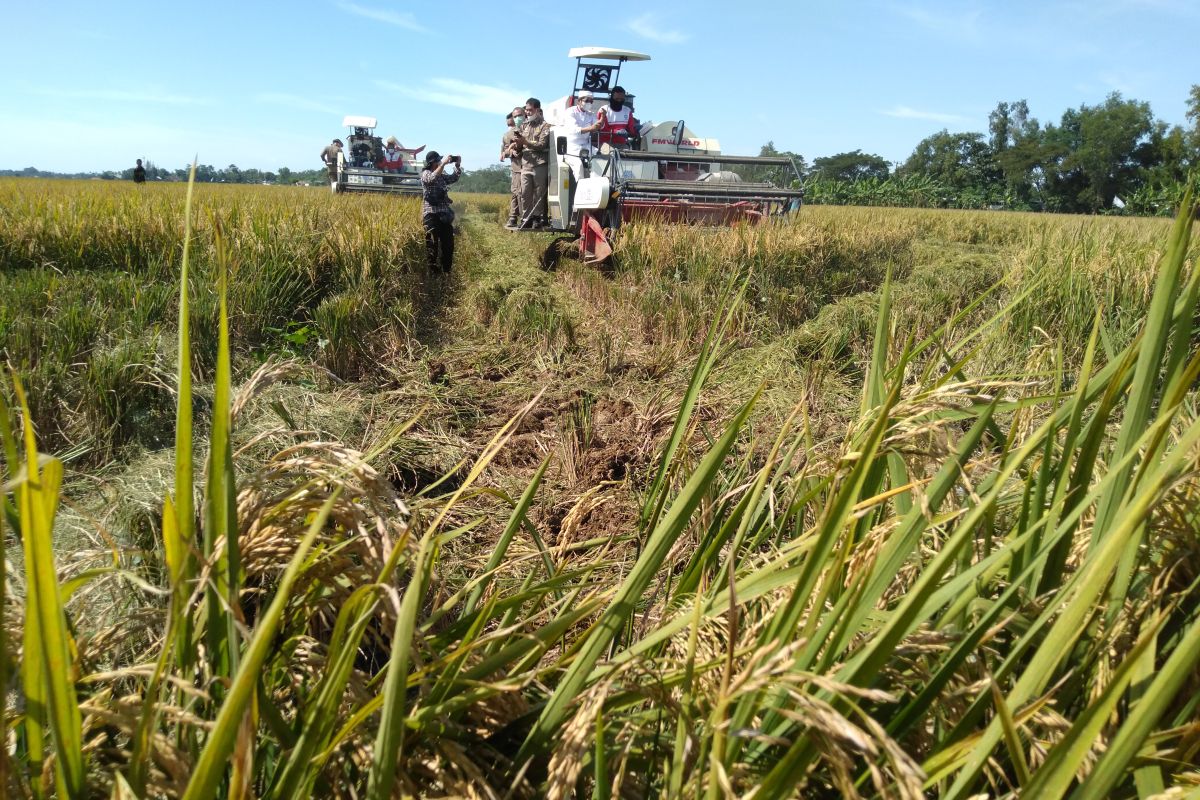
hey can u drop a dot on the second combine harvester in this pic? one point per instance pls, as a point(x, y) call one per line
point(665, 173)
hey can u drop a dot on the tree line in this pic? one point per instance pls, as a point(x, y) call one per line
point(1112, 157)
point(494, 178)
point(205, 173)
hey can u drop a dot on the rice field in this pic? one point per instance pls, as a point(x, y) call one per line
point(90, 308)
point(871, 503)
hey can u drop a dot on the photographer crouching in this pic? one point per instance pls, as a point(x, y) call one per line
point(436, 213)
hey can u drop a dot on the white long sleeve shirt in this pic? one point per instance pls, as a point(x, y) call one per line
point(579, 118)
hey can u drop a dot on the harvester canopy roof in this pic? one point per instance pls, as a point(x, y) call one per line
point(351, 121)
point(608, 53)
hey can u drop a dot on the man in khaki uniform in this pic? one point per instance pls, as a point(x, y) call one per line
point(330, 157)
point(534, 138)
point(510, 149)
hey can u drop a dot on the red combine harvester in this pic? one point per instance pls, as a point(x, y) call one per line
point(664, 172)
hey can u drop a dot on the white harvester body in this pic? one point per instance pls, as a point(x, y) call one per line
point(361, 167)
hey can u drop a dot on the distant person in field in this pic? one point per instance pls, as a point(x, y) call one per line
point(330, 157)
point(510, 149)
point(615, 120)
point(139, 173)
point(534, 138)
point(436, 213)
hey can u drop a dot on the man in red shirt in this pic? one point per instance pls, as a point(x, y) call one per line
point(615, 120)
point(393, 157)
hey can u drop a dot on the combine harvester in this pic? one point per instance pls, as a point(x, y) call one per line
point(666, 172)
point(361, 166)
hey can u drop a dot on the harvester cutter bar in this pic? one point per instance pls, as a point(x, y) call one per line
point(697, 158)
point(707, 190)
point(375, 188)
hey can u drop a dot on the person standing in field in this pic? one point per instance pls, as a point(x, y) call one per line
point(436, 214)
point(139, 173)
point(534, 138)
point(330, 157)
point(510, 149)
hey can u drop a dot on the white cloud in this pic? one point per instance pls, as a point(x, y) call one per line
point(1116, 82)
point(53, 143)
point(152, 96)
point(958, 25)
point(93, 35)
point(294, 101)
point(647, 26)
point(1186, 8)
point(1129, 81)
point(401, 19)
point(461, 94)
point(904, 112)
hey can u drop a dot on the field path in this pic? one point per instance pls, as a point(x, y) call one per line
point(502, 330)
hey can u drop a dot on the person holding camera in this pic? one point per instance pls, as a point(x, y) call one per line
point(436, 213)
point(511, 150)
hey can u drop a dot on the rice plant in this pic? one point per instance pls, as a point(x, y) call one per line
point(88, 279)
point(985, 584)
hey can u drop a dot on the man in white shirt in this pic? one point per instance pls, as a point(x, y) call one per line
point(582, 121)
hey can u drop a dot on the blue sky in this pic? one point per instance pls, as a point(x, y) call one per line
point(92, 86)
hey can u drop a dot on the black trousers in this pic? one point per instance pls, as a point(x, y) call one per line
point(439, 235)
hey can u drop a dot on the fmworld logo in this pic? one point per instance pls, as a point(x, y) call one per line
point(682, 142)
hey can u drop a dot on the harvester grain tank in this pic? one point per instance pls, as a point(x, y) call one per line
point(359, 165)
point(666, 173)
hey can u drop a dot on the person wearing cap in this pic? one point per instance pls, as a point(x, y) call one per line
point(331, 155)
point(436, 213)
point(393, 156)
point(510, 149)
point(581, 120)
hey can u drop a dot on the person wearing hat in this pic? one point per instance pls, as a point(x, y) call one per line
point(393, 156)
point(331, 155)
point(581, 118)
point(436, 213)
